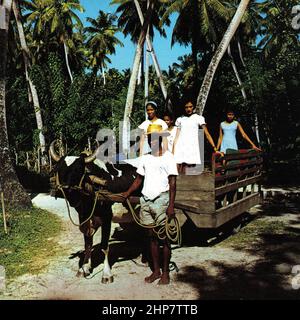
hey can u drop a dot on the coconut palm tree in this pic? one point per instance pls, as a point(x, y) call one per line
point(101, 39)
point(133, 79)
point(27, 65)
point(131, 20)
point(14, 193)
point(197, 24)
point(150, 50)
point(56, 18)
point(206, 84)
point(277, 17)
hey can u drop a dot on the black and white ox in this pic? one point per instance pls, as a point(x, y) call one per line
point(78, 178)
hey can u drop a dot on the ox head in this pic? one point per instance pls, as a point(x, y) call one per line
point(70, 170)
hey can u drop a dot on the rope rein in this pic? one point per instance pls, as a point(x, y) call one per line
point(79, 187)
point(167, 228)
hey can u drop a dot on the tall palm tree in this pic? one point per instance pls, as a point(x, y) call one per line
point(56, 18)
point(197, 24)
point(133, 79)
point(206, 84)
point(101, 39)
point(27, 65)
point(131, 20)
point(14, 193)
point(277, 17)
point(150, 49)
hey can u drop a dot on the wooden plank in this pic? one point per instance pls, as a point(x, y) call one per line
point(233, 210)
point(195, 196)
point(202, 182)
point(236, 185)
point(201, 220)
point(199, 207)
point(237, 174)
point(238, 156)
point(231, 166)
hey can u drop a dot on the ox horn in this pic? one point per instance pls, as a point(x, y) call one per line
point(98, 180)
point(92, 157)
point(53, 154)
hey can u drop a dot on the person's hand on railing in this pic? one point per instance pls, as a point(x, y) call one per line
point(256, 148)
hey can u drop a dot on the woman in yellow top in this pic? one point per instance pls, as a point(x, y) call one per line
point(151, 109)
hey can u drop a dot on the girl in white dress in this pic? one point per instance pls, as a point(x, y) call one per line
point(186, 144)
point(151, 108)
point(169, 120)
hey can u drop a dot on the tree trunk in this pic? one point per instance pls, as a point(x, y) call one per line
point(204, 90)
point(154, 59)
point(236, 73)
point(67, 61)
point(256, 124)
point(133, 81)
point(103, 74)
point(33, 91)
point(147, 63)
point(14, 193)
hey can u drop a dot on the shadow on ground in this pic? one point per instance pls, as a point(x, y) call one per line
point(268, 277)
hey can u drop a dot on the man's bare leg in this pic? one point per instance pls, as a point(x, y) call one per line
point(165, 277)
point(154, 246)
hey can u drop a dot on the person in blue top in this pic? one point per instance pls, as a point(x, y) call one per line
point(227, 137)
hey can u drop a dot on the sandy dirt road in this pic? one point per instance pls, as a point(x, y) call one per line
point(206, 271)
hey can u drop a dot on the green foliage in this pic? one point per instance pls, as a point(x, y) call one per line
point(268, 63)
point(30, 242)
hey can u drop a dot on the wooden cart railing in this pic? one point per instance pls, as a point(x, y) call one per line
point(231, 187)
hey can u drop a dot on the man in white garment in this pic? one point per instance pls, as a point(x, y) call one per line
point(157, 171)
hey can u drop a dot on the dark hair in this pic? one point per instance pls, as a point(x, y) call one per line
point(170, 115)
point(189, 98)
point(152, 103)
point(230, 110)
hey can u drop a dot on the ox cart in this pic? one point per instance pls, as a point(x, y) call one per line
point(228, 187)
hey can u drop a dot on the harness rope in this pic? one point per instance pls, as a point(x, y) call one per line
point(79, 187)
point(164, 229)
point(169, 228)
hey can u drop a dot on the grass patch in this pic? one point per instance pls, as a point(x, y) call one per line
point(30, 242)
point(254, 232)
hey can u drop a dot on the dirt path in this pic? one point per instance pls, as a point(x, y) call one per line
point(225, 270)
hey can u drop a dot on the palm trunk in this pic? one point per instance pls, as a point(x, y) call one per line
point(140, 73)
point(256, 124)
point(67, 61)
point(147, 63)
point(236, 73)
point(14, 193)
point(132, 82)
point(154, 59)
point(204, 90)
point(103, 74)
point(33, 91)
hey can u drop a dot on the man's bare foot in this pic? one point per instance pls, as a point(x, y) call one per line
point(154, 276)
point(164, 279)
